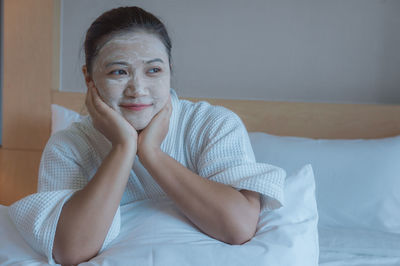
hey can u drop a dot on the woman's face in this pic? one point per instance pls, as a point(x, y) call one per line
point(132, 74)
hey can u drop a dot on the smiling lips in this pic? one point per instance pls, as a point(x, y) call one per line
point(135, 107)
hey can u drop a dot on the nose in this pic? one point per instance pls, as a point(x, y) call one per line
point(135, 87)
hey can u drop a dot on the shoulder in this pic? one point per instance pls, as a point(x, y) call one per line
point(207, 116)
point(201, 115)
point(204, 123)
point(71, 136)
point(79, 138)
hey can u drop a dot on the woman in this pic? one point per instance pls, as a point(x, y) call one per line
point(141, 142)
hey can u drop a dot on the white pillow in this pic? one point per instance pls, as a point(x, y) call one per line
point(158, 230)
point(289, 234)
point(62, 117)
point(357, 181)
point(13, 248)
point(157, 233)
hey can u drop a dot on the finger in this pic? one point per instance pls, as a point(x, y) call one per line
point(98, 103)
point(93, 102)
point(164, 114)
point(95, 98)
point(168, 106)
point(101, 104)
point(87, 96)
point(89, 102)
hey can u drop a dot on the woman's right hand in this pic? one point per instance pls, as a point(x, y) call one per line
point(108, 121)
point(83, 226)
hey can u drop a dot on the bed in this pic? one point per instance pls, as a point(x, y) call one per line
point(342, 199)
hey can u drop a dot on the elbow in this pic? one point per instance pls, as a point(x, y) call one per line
point(241, 228)
point(71, 256)
point(240, 238)
point(70, 259)
point(241, 232)
point(68, 249)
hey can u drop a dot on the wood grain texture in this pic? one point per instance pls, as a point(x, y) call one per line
point(18, 175)
point(317, 120)
point(28, 44)
point(313, 120)
point(71, 100)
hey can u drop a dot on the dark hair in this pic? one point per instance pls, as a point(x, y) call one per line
point(118, 20)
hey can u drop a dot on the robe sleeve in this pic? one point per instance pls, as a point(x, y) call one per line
point(60, 176)
point(226, 156)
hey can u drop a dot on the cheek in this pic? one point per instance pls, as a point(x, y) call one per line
point(157, 83)
point(161, 99)
point(164, 83)
point(110, 90)
point(160, 88)
point(161, 85)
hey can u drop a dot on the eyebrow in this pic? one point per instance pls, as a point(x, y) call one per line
point(117, 63)
point(154, 60)
point(126, 64)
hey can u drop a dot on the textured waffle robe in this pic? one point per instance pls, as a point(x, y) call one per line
point(209, 140)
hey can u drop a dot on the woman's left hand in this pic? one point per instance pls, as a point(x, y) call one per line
point(151, 137)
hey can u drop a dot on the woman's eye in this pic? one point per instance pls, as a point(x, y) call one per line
point(154, 70)
point(118, 72)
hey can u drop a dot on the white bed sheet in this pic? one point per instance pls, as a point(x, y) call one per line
point(156, 233)
point(338, 247)
point(328, 258)
point(180, 243)
point(13, 248)
point(352, 247)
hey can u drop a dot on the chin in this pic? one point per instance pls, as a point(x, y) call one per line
point(139, 125)
point(138, 122)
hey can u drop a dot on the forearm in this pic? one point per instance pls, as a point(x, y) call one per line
point(87, 216)
point(217, 209)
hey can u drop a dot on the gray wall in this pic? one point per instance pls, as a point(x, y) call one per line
point(344, 51)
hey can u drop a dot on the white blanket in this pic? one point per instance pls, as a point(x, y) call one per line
point(328, 258)
point(356, 247)
point(157, 233)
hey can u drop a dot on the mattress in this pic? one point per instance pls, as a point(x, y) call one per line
point(353, 247)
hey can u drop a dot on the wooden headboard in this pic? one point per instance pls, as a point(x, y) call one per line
point(19, 168)
point(313, 120)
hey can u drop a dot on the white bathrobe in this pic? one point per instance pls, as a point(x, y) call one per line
point(209, 140)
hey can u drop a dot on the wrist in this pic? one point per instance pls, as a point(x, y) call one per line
point(126, 147)
point(149, 155)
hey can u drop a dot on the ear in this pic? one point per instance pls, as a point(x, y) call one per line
point(86, 75)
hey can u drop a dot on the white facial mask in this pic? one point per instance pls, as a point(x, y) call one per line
point(133, 68)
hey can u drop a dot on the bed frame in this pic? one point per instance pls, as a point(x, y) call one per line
point(313, 120)
point(26, 101)
point(19, 167)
